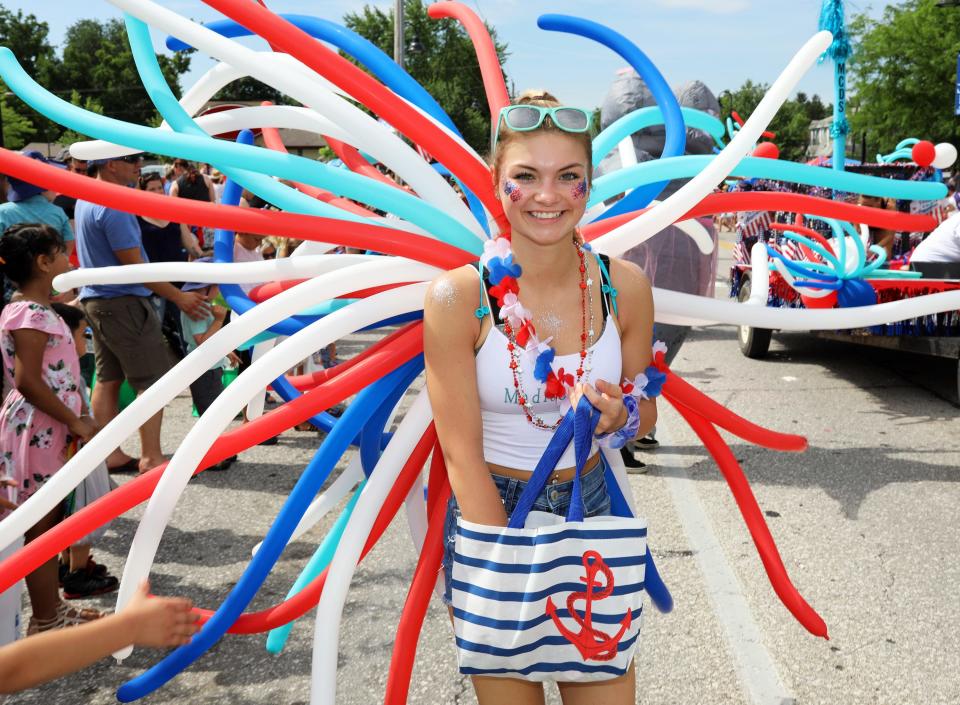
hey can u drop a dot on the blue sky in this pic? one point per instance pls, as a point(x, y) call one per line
point(720, 42)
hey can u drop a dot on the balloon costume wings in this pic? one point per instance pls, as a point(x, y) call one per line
point(314, 298)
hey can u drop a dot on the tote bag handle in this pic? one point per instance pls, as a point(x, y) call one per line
point(578, 425)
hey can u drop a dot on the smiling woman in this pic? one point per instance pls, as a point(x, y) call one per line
point(499, 392)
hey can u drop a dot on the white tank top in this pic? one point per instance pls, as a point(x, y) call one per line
point(509, 439)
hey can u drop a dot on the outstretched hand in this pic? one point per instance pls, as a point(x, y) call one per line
point(161, 622)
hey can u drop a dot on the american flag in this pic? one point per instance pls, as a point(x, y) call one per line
point(934, 208)
point(753, 224)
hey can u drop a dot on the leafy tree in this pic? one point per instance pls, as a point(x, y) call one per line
point(17, 128)
point(903, 71)
point(97, 61)
point(26, 37)
point(248, 88)
point(445, 64)
point(791, 123)
point(88, 103)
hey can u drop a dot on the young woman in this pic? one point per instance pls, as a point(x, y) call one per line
point(493, 416)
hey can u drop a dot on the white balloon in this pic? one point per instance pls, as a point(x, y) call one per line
point(261, 317)
point(717, 311)
point(281, 269)
point(216, 418)
point(326, 634)
point(946, 155)
point(381, 143)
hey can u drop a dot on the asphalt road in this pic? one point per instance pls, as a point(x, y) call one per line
point(866, 521)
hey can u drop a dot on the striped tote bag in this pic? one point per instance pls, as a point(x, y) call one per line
point(550, 598)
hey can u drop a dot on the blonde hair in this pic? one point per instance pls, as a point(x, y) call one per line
point(543, 99)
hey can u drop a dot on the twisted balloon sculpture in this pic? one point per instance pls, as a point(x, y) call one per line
point(315, 298)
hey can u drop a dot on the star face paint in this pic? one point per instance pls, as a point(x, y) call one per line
point(580, 190)
point(512, 190)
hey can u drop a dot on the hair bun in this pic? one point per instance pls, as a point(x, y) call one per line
point(537, 96)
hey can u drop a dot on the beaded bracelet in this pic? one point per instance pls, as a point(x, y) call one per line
point(625, 434)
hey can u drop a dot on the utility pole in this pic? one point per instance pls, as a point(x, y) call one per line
point(398, 32)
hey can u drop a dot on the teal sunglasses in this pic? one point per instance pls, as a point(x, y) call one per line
point(524, 118)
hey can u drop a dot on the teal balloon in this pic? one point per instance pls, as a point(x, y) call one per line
point(755, 167)
point(204, 149)
point(277, 638)
point(637, 120)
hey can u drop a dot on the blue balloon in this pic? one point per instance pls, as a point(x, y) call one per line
point(274, 542)
point(277, 638)
point(676, 138)
point(856, 292)
point(371, 437)
point(368, 54)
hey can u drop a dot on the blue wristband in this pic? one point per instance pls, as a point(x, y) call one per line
point(620, 438)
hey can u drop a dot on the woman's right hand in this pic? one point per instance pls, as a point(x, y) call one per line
point(84, 428)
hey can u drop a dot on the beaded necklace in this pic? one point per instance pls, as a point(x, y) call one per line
point(521, 334)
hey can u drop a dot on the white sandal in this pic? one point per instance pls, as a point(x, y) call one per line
point(67, 616)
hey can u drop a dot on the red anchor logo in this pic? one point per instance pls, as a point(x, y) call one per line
point(590, 641)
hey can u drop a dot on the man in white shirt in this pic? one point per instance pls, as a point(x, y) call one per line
point(942, 245)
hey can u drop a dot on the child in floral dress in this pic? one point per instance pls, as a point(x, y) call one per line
point(44, 410)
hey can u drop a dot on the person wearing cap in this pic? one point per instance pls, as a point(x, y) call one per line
point(28, 203)
point(128, 341)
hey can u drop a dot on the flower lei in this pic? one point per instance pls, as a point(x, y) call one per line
point(504, 275)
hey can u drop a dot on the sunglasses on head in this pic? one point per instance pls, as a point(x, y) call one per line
point(525, 118)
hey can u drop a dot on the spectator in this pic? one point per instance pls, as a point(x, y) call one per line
point(77, 166)
point(44, 411)
point(942, 245)
point(206, 388)
point(155, 622)
point(27, 203)
point(190, 183)
point(81, 576)
point(163, 240)
point(127, 337)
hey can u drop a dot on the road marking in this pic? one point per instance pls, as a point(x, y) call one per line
point(754, 665)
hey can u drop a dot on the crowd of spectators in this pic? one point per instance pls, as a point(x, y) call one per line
point(138, 332)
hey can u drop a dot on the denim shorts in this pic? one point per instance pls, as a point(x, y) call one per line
point(555, 499)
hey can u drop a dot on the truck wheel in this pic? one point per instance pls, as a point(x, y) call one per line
point(754, 342)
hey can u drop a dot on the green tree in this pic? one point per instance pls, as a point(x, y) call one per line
point(791, 123)
point(26, 37)
point(445, 64)
point(903, 71)
point(97, 61)
point(248, 88)
point(88, 103)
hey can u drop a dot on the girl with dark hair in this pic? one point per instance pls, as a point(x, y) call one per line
point(44, 411)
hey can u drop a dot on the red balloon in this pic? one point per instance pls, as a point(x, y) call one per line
point(828, 301)
point(271, 138)
point(370, 92)
point(924, 153)
point(490, 70)
point(418, 597)
point(230, 443)
point(304, 601)
point(767, 150)
point(355, 162)
point(676, 389)
point(251, 220)
point(756, 524)
point(777, 201)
